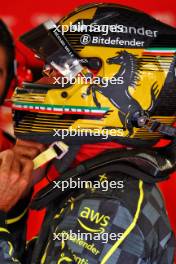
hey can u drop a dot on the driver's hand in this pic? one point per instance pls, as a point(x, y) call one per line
point(15, 178)
point(28, 149)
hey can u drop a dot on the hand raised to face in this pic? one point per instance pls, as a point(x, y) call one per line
point(15, 178)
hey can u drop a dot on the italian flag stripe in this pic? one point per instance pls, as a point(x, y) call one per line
point(160, 51)
point(60, 109)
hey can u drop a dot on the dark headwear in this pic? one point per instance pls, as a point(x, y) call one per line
point(6, 41)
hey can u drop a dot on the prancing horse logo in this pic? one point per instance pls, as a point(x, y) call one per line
point(118, 94)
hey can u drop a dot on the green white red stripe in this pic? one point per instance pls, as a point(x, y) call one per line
point(44, 108)
point(159, 51)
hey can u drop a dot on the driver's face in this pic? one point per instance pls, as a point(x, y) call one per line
point(3, 69)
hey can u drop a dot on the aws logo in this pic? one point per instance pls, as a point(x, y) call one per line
point(94, 219)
